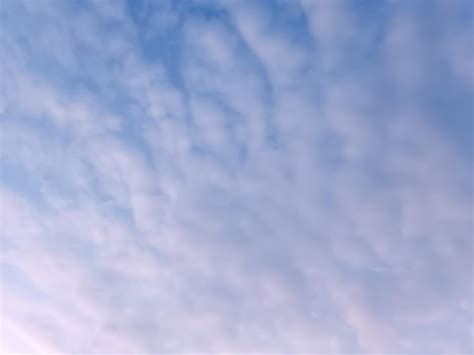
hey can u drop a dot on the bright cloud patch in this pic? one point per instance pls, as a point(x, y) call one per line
point(236, 177)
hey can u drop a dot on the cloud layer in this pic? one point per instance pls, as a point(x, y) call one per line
point(236, 177)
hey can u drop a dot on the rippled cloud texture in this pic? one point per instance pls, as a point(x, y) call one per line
point(236, 177)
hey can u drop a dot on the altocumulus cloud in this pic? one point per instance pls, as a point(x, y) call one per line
point(236, 177)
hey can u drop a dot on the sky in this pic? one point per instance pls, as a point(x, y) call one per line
point(236, 177)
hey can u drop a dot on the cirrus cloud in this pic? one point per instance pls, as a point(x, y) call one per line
point(236, 177)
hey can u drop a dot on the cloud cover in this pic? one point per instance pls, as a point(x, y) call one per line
point(236, 177)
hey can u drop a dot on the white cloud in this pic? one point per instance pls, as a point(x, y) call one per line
point(158, 215)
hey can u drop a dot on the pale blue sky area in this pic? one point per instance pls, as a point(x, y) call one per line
point(236, 177)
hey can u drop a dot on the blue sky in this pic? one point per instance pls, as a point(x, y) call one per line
point(224, 177)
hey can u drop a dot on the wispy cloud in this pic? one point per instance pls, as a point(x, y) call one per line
point(236, 177)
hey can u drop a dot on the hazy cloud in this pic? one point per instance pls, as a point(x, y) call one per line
point(236, 177)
